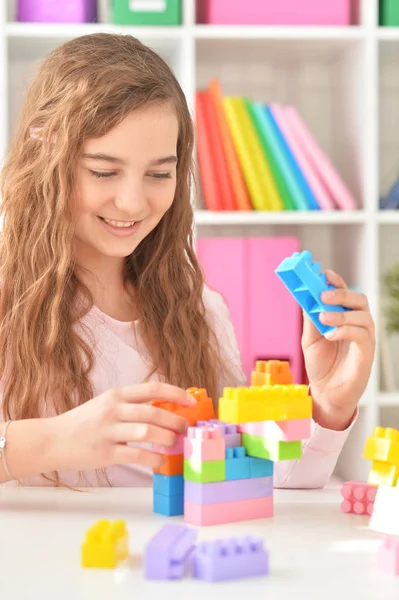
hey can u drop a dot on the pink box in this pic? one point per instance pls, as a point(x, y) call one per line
point(274, 12)
point(228, 512)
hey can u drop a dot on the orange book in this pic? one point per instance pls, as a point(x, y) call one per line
point(208, 177)
point(239, 187)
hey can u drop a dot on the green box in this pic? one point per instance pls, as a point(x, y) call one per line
point(146, 12)
point(205, 472)
point(260, 447)
point(389, 13)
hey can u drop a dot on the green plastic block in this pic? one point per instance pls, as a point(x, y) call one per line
point(146, 12)
point(274, 450)
point(205, 472)
point(389, 13)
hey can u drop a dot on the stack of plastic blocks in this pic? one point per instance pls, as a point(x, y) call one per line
point(305, 281)
point(168, 483)
point(358, 497)
point(385, 520)
point(382, 448)
point(105, 545)
point(222, 484)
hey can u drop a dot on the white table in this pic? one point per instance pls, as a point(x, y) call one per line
point(316, 551)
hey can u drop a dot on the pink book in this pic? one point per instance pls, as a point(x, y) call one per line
point(330, 177)
point(318, 189)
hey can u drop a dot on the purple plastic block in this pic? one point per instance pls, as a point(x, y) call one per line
point(229, 432)
point(167, 553)
point(228, 491)
point(50, 11)
point(233, 558)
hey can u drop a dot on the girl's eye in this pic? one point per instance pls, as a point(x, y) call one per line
point(102, 174)
point(161, 175)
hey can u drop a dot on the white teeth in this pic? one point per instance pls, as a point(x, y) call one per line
point(121, 224)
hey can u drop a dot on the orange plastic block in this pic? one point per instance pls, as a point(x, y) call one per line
point(203, 410)
point(383, 446)
point(272, 372)
point(173, 465)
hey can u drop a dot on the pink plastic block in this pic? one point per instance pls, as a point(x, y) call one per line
point(272, 12)
point(388, 555)
point(284, 431)
point(228, 431)
point(178, 448)
point(204, 444)
point(228, 512)
point(358, 497)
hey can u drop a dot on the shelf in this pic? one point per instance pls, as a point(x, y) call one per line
point(66, 30)
point(205, 217)
point(267, 32)
point(388, 399)
point(388, 33)
point(388, 217)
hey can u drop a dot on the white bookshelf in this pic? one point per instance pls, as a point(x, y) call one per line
point(345, 83)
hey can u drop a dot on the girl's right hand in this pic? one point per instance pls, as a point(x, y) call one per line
point(95, 434)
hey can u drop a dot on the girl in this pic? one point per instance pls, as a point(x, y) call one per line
point(102, 303)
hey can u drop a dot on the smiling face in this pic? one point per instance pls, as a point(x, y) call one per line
point(125, 183)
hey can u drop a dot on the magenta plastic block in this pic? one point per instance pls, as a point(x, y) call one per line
point(167, 553)
point(228, 491)
point(233, 558)
point(229, 432)
point(50, 11)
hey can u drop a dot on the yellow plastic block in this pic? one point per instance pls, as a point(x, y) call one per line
point(382, 473)
point(272, 372)
point(383, 446)
point(265, 403)
point(106, 545)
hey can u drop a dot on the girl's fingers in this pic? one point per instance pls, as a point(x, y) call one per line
point(145, 413)
point(142, 432)
point(347, 298)
point(146, 392)
point(360, 335)
point(355, 318)
point(122, 455)
point(335, 279)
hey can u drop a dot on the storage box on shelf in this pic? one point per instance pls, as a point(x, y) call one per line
point(149, 12)
point(389, 13)
point(49, 11)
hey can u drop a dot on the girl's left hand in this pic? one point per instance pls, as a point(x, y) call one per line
point(339, 364)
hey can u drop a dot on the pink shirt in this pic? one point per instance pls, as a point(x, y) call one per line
point(121, 360)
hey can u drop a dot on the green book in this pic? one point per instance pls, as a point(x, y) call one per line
point(146, 12)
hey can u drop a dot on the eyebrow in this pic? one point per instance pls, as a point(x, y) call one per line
point(172, 159)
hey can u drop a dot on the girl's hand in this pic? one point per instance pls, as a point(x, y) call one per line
point(338, 364)
point(95, 435)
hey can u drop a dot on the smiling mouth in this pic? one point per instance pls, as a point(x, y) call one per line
point(118, 224)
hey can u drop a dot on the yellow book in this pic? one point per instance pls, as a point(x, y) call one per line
point(260, 182)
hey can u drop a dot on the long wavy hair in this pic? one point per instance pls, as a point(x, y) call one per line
point(82, 90)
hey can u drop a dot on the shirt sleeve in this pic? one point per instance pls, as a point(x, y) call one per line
point(319, 453)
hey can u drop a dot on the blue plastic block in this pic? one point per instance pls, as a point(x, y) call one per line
point(304, 279)
point(169, 506)
point(168, 553)
point(233, 558)
point(237, 463)
point(260, 467)
point(168, 485)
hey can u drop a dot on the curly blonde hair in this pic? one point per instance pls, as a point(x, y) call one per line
point(82, 90)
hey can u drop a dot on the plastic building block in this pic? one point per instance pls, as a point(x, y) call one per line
point(227, 512)
point(228, 491)
point(167, 554)
point(358, 497)
point(202, 411)
point(260, 467)
point(204, 444)
point(173, 465)
point(234, 558)
point(205, 472)
point(388, 555)
point(271, 449)
point(383, 446)
point(283, 431)
point(169, 506)
point(272, 372)
point(304, 280)
point(237, 463)
point(168, 485)
point(265, 403)
point(385, 517)
point(382, 473)
point(229, 432)
point(178, 448)
point(105, 545)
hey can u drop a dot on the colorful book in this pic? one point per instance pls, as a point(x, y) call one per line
point(304, 196)
point(258, 177)
point(319, 191)
point(239, 188)
point(258, 118)
point(330, 177)
point(208, 178)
